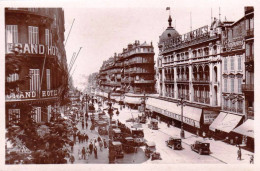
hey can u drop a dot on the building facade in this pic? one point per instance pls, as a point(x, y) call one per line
point(34, 38)
point(130, 73)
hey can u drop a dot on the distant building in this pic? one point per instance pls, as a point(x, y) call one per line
point(130, 72)
point(36, 36)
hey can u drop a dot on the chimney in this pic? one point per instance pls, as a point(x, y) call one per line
point(151, 43)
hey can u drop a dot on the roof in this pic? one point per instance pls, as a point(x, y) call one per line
point(116, 143)
point(150, 143)
point(202, 141)
point(129, 138)
point(170, 32)
point(145, 44)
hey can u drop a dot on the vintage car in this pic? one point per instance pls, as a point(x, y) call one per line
point(117, 134)
point(102, 127)
point(153, 124)
point(150, 151)
point(116, 147)
point(129, 145)
point(201, 147)
point(174, 143)
point(142, 118)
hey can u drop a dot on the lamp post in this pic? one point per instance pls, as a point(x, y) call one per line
point(181, 103)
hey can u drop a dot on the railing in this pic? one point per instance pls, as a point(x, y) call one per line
point(182, 79)
point(247, 87)
point(169, 80)
point(250, 32)
point(144, 81)
point(249, 58)
point(239, 110)
point(204, 80)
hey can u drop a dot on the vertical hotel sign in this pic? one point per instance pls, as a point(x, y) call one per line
point(37, 49)
point(233, 38)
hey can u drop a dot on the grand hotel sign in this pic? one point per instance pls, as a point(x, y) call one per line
point(185, 38)
point(37, 49)
point(26, 95)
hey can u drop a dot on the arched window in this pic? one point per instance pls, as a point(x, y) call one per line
point(206, 73)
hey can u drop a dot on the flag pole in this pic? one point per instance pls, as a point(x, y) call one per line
point(69, 32)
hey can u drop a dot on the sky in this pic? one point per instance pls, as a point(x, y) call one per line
point(103, 27)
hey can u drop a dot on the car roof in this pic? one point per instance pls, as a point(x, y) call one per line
point(129, 138)
point(174, 138)
point(154, 120)
point(203, 142)
point(150, 143)
point(116, 143)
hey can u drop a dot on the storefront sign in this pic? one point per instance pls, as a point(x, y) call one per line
point(32, 95)
point(209, 116)
point(234, 44)
point(37, 49)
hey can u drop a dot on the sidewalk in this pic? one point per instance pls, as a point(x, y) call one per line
point(220, 150)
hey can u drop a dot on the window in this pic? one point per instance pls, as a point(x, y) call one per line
point(225, 85)
point(37, 115)
point(239, 63)
point(47, 37)
point(35, 79)
point(239, 83)
point(225, 64)
point(33, 35)
point(13, 77)
point(232, 85)
point(48, 78)
point(14, 115)
point(232, 64)
point(11, 34)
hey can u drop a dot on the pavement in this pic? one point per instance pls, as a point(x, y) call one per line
point(225, 153)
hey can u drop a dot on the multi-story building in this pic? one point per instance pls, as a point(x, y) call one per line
point(34, 40)
point(189, 67)
point(130, 72)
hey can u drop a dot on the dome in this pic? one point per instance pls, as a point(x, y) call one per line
point(170, 32)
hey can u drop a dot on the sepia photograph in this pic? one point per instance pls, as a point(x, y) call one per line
point(129, 82)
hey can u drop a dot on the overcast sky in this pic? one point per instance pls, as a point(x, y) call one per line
point(103, 27)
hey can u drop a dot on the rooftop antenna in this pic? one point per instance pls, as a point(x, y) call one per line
point(190, 22)
point(219, 14)
point(211, 16)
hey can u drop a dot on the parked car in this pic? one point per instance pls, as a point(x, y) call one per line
point(174, 143)
point(201, 147)
point(150, 151)
point(129, 145)
point(153, 124)
point(116, 147)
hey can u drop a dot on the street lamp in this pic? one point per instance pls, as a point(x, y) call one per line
point(181, 103)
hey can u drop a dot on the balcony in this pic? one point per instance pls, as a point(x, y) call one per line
point(249, 58)
point(198, 80)
point(250, 32)
point(247, 87)
point(183, 80)
point(169, 81)
point(202, 100)
point(144, 81)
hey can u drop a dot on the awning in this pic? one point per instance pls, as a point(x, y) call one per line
point(217, 121)
point(132, 100)
point(247, 128)
point(229, 123)
point(191, 115)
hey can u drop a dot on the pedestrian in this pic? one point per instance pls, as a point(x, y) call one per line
point(239, 153)
point(79, 137)
point(95, 152)
point(105, 143)
point(99, 139)
point(74, 137)
point(252, 159)
point(87, 154)
point(168, 124)
point(83, 137)
point(72, 146)
point(204, 135)
point(236, 141)
point(101, 145)
point(79, 154)
point(82, 123)
point(72, 159)
point(90, 147)
point(83, 153)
